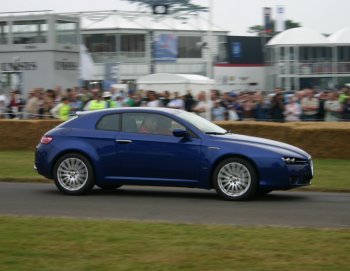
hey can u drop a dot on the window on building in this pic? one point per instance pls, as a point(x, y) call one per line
point(34, 31)
point(66, 32)
point(188, 47)
point(4, 30)
point(99, 43)
point(133, 45)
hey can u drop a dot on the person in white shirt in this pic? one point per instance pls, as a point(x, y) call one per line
point(153, 100)
point(177, 102)
point(292, 110)
point(332, 107)
point(202, 106)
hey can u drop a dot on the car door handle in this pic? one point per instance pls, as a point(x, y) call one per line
point(123, 141)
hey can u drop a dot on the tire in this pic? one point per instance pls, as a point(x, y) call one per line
point(235, 179)
point(109, 187)
point(73, 174)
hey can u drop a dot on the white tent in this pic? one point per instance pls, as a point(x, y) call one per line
point(181, 83)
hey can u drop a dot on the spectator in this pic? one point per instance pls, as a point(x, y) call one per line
point(62, 110)
point(97, 103)
point(153, 99)
point(31, 108)
point(346, 110)
point(177, 102)
point(130, 101)
point(109, 102)
point(292, 111)
point(332, 107)
point(345, 93)
point(2, 108)
point(249, 107)
point(277, 107)
point(310, 105)
point(321, 111)
point(218, 111)
point(262, 107)
point(202, 107)
point(189, 102)
point(16, 104)
point(75, 102)
point(165, 98)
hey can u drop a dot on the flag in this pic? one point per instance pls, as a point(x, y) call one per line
point(87, 65)
point(267, 20)
point(280, 25)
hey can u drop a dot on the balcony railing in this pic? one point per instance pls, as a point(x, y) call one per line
point(125, 57)
point(315, 68)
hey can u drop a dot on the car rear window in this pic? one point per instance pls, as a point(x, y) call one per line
point(109, 122)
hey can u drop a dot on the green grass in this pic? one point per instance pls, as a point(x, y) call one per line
point(70, 244)
point(330, 174)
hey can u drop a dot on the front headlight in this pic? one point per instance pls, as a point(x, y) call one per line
point(293, 160)
point(312, 167)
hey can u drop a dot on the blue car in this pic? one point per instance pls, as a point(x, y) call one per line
point(165, 147)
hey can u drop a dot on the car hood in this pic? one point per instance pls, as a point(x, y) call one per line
point(262, 142)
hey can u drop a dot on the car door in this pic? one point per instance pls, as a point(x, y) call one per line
point(155, 157)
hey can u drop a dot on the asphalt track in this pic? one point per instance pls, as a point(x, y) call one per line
point(291, 209)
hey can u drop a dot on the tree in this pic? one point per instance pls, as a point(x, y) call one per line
point(259, 29)
point(175, 6)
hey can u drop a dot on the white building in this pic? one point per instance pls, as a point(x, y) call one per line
point(38, 50)
point(300, 57)
point(131, 40)
point(42, 50)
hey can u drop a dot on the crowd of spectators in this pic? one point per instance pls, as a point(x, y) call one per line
point(279, 106)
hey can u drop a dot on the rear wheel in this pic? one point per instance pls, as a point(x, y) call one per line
point(235, 179)
point(73, 174)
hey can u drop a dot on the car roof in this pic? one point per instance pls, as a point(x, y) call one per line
point(132, 109)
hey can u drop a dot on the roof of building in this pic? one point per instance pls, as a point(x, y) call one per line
point(342, 36)
point(144, 21)
point(169, 78)
point(299, 36)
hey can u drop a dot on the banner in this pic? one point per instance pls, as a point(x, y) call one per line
point(165, 47)
point(236, 49)
point(280, 19)
point(111, 71)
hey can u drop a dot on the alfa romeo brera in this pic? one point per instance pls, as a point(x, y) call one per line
point(165, 147)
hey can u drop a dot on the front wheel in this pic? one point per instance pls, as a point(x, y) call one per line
point(235, 179)
point(73, 174)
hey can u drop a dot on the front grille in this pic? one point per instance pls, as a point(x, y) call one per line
point(300, 180)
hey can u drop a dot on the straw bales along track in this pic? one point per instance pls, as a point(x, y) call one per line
point(320, 139)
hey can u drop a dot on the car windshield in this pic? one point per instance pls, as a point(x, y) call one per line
point(202, 124)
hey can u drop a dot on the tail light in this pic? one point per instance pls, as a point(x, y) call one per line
point(46, 140)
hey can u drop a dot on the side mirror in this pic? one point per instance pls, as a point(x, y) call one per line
point(180, 133)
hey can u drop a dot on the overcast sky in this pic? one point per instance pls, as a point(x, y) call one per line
point(236, 16)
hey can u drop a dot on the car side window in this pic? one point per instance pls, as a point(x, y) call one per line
point(109, 122)
point(149, 123)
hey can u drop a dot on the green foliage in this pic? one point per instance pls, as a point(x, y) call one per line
point(259, 29)
point(175, 6)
